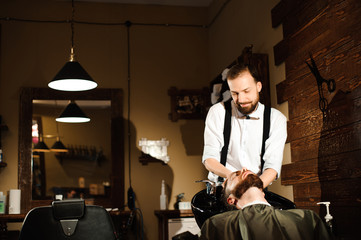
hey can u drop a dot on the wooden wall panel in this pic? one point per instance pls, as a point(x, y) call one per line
point(333, 167)
point(325, 151)
point(334, 141)
point(311, 122)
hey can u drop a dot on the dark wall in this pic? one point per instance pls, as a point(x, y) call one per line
point(325, 147)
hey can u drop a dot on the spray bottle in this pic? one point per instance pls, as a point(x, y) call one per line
point(163, 197)
point(328, 217)
point(2, 203)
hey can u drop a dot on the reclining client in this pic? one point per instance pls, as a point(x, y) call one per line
point(256, 218)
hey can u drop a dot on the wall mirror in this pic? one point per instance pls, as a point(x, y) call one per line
point(93, 167)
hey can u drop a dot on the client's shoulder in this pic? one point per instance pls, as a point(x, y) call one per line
point(224, 217)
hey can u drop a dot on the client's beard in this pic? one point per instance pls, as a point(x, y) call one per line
point(251, 180)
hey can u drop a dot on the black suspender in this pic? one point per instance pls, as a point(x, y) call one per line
point(266, 128)
point(227, 132)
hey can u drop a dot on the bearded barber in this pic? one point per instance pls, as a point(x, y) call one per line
point(245, 144)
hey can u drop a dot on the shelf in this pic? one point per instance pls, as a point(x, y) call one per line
point(146, 158)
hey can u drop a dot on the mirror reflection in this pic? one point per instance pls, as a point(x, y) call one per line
point(84, 170)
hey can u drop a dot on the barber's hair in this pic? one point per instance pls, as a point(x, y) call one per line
point(240, 68)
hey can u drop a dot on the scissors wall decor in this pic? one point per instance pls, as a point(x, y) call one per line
point(331, 85)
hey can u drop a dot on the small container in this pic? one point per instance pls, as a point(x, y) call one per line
point(2, 203)
point(1, 155)
point(163, 198)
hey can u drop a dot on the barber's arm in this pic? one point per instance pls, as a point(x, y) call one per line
point(274, 149)
point(216, 167)
point(268, 176)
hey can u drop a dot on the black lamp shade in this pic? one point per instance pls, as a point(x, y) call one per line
point(58, 146)
point(41, 147)
point(72, 77)
point(73, 114)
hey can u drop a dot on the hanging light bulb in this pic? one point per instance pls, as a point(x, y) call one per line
point(73, 114)
point(72, 77)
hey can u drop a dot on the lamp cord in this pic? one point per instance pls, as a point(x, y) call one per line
point(72, 54)
point(72, 23)
point(128, 24)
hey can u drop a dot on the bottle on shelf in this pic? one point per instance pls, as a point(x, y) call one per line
point(163, 197)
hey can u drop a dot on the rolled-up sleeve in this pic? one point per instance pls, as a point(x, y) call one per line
point(213, 132)
point(276, 142)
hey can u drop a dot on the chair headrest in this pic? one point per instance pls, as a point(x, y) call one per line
point(68, 209)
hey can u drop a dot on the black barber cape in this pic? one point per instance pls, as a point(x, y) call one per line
point(262, 222)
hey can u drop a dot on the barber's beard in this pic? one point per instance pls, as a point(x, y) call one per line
point(251, 180)
point(249, 109)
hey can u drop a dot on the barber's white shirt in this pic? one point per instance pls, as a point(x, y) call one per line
point(245, 143)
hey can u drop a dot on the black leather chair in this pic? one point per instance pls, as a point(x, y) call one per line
point(68, 219)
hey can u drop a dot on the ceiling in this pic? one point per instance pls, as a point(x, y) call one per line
point(188, 3)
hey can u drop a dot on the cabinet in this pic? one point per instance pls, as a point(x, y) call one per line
point(163, 220)
point(181, 225)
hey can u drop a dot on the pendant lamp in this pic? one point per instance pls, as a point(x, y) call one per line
point(58, 146)
point(72, 77)
point(41, 146)
point(73, 114)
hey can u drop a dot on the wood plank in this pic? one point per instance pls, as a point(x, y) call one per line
point(345, 108)
point(307, 194)
point(341, 166)
point(333, 27)
point(300, 172)
point(341, 19)
point(306, 12)
point(335, 141)
point(332, 62)
point(339, 193)
point(280, 11)
point(343, 193)
point(281, 51)
point(304, 104)
point(324, 169)
point(305, 33)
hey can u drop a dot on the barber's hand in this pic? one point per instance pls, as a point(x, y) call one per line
point(225, 180)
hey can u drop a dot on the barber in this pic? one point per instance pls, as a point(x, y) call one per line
point(245, 142)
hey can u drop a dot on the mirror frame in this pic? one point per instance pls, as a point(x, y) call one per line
point(27, 95)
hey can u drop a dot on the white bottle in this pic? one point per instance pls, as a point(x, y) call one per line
point(328, 217)
point(163, 198)
point(2, 203)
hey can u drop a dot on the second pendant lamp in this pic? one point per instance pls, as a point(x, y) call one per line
point(73, 114)
point(72, 77)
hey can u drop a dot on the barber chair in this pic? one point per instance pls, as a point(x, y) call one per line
point(209, 202)
point(68, 219)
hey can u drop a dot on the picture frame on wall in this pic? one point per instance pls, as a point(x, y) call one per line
point(189, 103)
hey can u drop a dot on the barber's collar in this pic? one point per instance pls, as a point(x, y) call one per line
point(255, 115)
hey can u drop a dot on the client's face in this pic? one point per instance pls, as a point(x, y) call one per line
point(239, 182)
